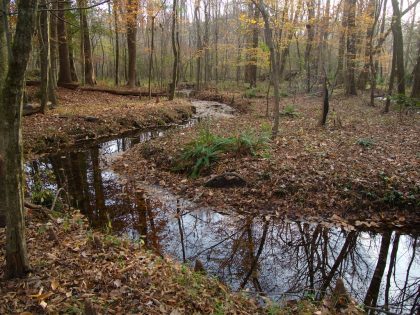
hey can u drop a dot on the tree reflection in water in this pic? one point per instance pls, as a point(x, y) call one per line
point(284, 260)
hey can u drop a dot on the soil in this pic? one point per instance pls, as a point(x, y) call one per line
point(362, 168)
point(90, 115)
point(84, 270)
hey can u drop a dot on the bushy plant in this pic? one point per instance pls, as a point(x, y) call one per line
point(290, 110)
point(41, 195)
point(200, 154)
point(365, 142)
point(250, 93)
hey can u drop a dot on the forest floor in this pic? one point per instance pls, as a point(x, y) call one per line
point(75, 270)
point(362, 170)
point(90, 115)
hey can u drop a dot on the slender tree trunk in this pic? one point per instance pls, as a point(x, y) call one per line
point(63, 46)
point(309, 42)
point(53, 47)
point(274, 65)
point(399, 47)
point(364, 74)
point(373, 290)
point(89, 76)
point(117, 44)
point(175, 51)
point(206, 43)
point(152, 48)
point(44, 53)
point(391, 82)
point(415, 92)
point(199, 46)
point(11, 152)
point(351, 48)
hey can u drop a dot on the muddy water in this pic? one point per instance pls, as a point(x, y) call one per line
point(281, 259)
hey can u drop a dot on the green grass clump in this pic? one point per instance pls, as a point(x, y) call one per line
point(290, 111)
point(198, 155)
point(365, 142)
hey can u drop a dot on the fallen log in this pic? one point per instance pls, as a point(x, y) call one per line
point(71, 86)
point(123, 92)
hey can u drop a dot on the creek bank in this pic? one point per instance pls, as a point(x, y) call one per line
point(92, 115)
point(223, 240)
point(83, 269)
point(364, 171)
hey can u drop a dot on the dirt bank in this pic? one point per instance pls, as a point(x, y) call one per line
point(364, 166)
point(74, 268)
point(87, 115)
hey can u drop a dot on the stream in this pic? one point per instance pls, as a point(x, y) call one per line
point(297, 259)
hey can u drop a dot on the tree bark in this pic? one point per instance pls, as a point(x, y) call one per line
point(373, 290)
point(175, 51)
point(251, 66)
point(199, 45)
point(64, 75)
point(17, 264)
point(311, 34)
point(44, 53)
point(132, 8)
point(351, 47)
point(415, 92)
point(3, 43)
point(274, 65)
point(399, 47)
point(364, 74)
point(152, 48)
point(89, 76)
point(117, 44)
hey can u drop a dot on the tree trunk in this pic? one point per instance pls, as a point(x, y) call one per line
point(152, 48)
point(117, 44)
point(3, 43)
point(132, 7)
point(311, 33)
point(251, 65)
point(44, 53)
point(391, 82)
point(89, 76)
point(373, 290)
point(415, 92)
point(351, 47)
point(11, 180)
point(364, 74)
point(199, 47)
point(175, 51)
point(53, 46)
point(399, 47)
point(274, 65)
point(63, 46)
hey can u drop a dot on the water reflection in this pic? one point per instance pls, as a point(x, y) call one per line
point(284, 260)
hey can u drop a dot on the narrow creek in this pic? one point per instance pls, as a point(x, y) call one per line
point(296, 258)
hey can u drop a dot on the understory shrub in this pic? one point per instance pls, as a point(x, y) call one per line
point(290, 110)
point(208, 147)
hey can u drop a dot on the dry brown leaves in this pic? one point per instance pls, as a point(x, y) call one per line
point(112, 275)
point(312, 171)
point(85, 115)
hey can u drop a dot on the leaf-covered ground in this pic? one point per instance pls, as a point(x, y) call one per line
point(74, 269)
point(363, 167)
point(86, 115)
